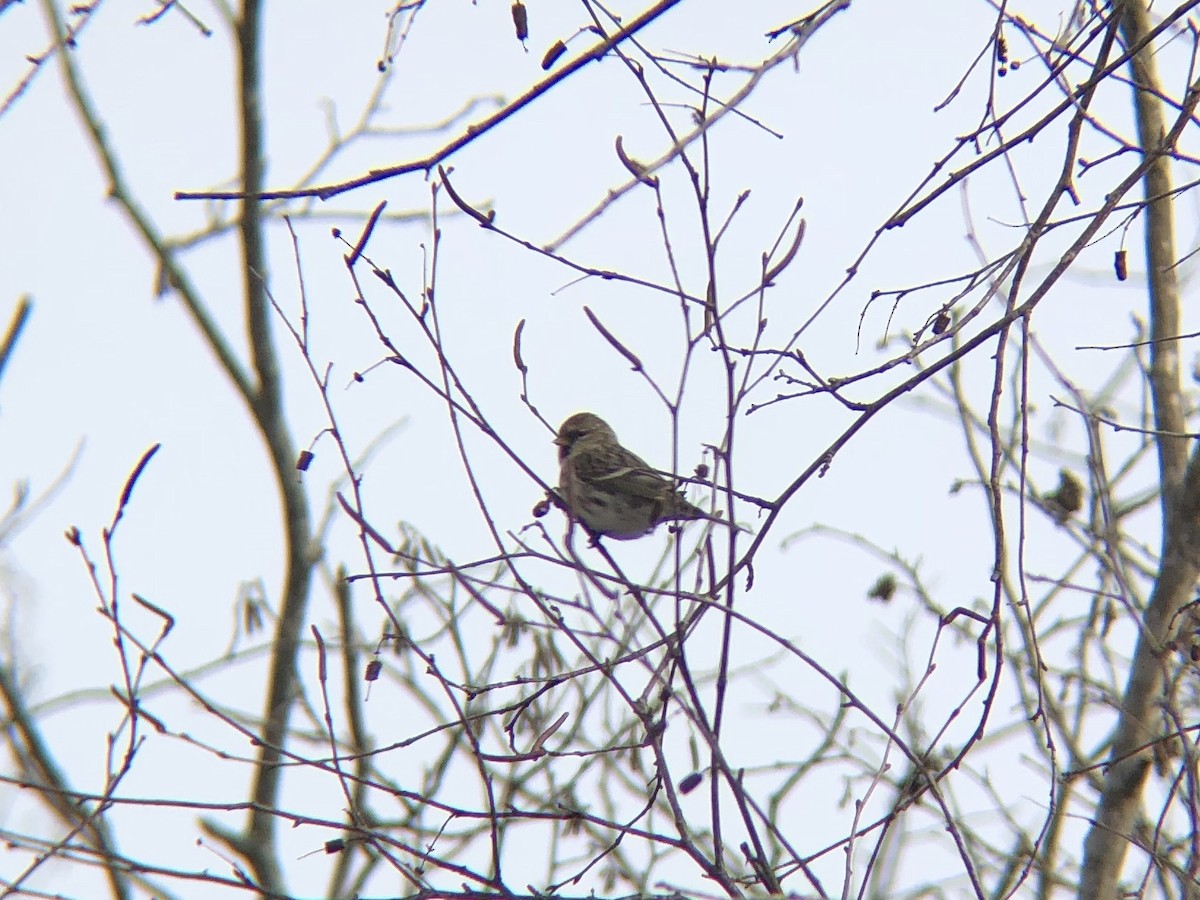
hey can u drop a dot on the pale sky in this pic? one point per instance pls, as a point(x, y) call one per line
point(106, 364)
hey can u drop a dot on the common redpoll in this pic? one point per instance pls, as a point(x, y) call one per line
point(611, 490)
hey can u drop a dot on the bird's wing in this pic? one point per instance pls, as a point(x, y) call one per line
point(625, 473)
point(648, 484)
point(636, 482)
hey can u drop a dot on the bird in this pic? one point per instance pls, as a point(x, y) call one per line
point(611, 490)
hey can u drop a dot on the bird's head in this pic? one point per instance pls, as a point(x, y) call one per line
point(580, 426)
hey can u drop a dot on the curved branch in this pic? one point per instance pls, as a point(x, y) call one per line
point(260, 390)
point(257, 844)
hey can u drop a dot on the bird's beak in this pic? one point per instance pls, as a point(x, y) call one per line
point(560, 441)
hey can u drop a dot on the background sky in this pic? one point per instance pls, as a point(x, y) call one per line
point(106, 367)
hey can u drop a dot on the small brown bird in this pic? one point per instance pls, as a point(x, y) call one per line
point(611, 490)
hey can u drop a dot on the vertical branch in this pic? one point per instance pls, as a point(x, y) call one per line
point(259, 389)
point(1161, 258)
point(1120, 799)
point(262, 398)
point(257, 844)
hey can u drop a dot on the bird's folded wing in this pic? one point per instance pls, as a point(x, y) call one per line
point(643, 483)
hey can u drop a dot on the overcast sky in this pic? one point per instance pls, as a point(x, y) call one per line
point(107, 367)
